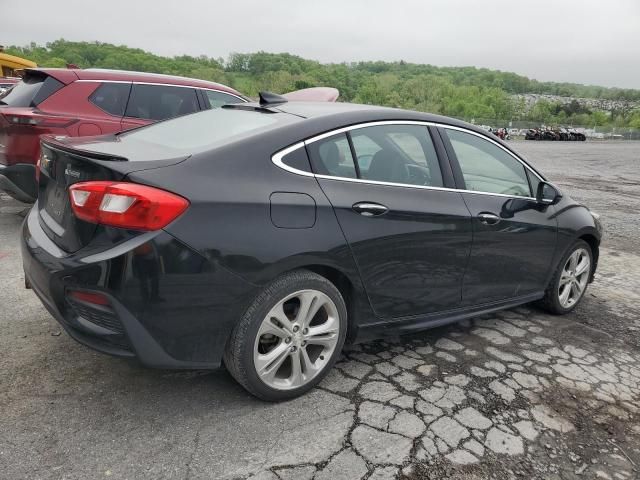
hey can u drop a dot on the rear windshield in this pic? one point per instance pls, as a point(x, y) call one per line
point(205, 130)
point(31, 91)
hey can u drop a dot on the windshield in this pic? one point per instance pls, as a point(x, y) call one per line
point(206, 130)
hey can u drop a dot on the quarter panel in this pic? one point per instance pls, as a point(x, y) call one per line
point(230, 222)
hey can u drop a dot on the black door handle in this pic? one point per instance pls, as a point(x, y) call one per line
point(488, 218)
point(369, 209)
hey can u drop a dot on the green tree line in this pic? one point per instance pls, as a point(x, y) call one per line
point(464, 92)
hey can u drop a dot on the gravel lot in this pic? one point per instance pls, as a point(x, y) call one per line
point(519, 394)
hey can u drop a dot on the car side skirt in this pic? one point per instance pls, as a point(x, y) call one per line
point(414, 324)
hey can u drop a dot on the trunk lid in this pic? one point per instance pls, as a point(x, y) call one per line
point(64, 162)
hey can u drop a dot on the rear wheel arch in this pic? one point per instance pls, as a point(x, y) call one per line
point(347, 289)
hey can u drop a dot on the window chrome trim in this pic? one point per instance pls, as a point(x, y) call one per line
point(135, 82)
point(276, 158)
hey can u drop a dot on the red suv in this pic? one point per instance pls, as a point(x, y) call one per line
point(74, 102)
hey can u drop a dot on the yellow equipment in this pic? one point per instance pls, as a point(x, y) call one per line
point(10, 63)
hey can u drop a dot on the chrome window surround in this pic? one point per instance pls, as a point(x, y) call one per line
point(277, 158)
point(162, 85)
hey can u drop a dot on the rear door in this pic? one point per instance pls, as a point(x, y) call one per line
point(410, 237)
point(151, 103)
point(514, 236)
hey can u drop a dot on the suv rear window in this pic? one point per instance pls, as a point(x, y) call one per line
point(159, 102)
point(31, 91)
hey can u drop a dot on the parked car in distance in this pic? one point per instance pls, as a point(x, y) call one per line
point(7, 82)
point(265, 235)
point(74, 102)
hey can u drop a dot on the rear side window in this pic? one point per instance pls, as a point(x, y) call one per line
point(31, 91)
point(332, 156)
point(297, 159)
point(111, 97)
point(217, 99)
point(159, 102)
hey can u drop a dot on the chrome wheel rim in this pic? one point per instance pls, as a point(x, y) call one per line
point(296, 339)
point(574, 278)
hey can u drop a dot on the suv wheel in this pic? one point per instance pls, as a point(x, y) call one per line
point(289, 338)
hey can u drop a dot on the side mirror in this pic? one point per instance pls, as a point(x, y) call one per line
point(547, 194)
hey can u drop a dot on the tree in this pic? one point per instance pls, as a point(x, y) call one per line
point(465, 92)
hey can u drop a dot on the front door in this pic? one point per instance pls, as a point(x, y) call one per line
point(410, 241)
point(514, 237)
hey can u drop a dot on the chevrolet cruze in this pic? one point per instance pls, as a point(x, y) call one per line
point(263, 236)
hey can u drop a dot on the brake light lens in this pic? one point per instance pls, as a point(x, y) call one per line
point(36, 119)
point(125, 205)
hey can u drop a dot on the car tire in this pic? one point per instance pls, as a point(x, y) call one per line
point(265, 347)
point(553, 298)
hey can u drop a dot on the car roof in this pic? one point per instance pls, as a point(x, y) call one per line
point(313, 110)
point(129, 76)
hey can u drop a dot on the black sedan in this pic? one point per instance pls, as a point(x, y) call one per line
point(265, 235)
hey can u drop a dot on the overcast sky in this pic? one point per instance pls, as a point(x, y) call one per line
point(583, 41)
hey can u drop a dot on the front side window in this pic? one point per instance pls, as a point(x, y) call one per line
point(488, 168)
point(111, 97)
point(332, 156)
point(397, 154)
point(159, 102)
point(217, 99)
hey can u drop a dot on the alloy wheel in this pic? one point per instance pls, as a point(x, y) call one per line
point(574, 278)
point(296, 339)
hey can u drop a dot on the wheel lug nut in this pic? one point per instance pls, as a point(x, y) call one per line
point(287, 340)
point(296, 328)
point(293, 348)
point(305, 331)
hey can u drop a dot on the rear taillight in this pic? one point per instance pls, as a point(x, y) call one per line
point(125, 205)
point(36, 119)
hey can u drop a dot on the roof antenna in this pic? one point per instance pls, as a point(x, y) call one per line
point(268, 99)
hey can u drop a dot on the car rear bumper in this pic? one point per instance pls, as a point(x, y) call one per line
point(177, 327)
point(19, 181)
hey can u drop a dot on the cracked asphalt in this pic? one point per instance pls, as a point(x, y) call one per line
point(518, 394)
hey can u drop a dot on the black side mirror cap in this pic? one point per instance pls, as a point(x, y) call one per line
point(548, 194)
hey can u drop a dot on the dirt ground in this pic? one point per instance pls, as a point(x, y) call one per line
point(518, 394)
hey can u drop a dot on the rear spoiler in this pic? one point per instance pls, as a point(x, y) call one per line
point(313, 94)
point(63, 75)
